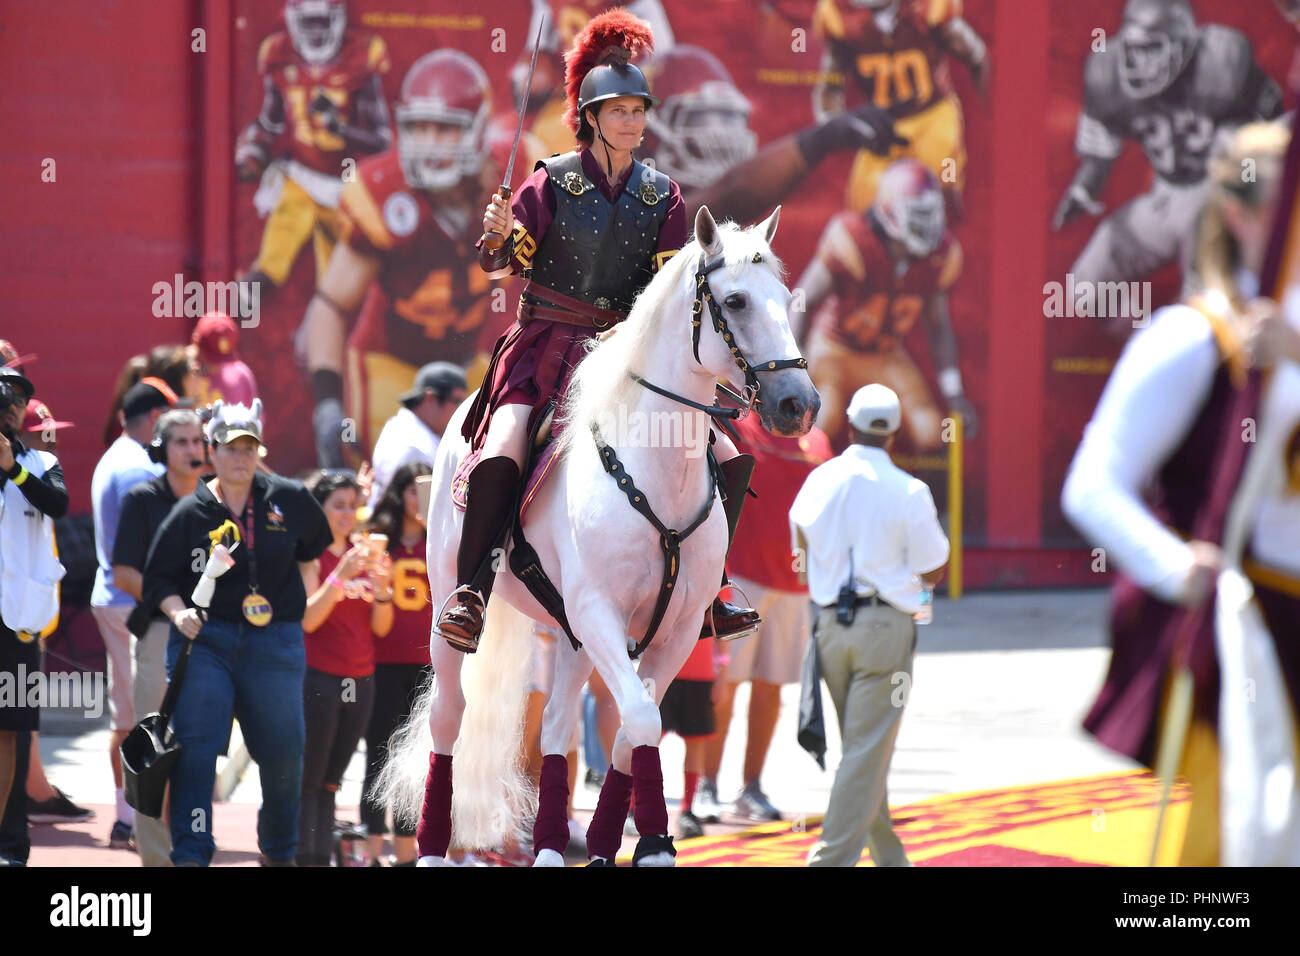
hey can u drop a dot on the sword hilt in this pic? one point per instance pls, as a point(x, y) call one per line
point(494, 240)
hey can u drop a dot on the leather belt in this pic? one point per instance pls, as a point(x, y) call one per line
point(867, 600)
point(558, 307)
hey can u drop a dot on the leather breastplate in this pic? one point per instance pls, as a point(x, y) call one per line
point(597, 251)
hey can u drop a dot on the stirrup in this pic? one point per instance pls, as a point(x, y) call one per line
point(461, 641)
point(713, 626)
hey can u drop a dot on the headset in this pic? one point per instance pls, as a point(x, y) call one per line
point(157, 449)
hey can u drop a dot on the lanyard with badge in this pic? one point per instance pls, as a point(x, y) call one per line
point(256, 608)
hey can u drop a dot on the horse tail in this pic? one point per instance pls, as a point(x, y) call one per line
point(493, 794)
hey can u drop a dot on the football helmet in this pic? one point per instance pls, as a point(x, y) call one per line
point(316, 28)
point(1156, 41)
point(701, 127)
point(446, 87)
point(909, 207)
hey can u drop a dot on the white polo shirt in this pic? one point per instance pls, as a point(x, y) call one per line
point(404, 439)
point(862, 500)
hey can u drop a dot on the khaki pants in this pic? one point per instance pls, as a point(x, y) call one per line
point(863, 665)
point(153, 837)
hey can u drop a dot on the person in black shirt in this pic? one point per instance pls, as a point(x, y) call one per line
point(178, 444)
point(248, 658)
point(31, 491)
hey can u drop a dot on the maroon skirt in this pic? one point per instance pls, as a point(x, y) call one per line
point(531, 364)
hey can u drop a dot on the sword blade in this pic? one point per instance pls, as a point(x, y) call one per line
point(523, 102)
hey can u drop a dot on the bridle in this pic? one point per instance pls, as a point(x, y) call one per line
point(749, 394)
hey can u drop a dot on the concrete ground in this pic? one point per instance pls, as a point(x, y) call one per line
point(1001, 682)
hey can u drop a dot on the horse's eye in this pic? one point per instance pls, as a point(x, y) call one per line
point(735, 301)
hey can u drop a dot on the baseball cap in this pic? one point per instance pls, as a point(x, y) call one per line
point(16, 379)
point(217, 337)
point(236, 421)
point(146, 395)
point(875, 409)
point(439, 376)
point(39, 418)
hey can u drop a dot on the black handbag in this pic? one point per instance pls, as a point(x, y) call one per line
point(150, 749)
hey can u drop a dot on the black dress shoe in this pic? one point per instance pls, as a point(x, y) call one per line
point(730, 621)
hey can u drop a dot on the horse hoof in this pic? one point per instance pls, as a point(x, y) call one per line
point(654, 851)
point(431, 861)
point(548, 858)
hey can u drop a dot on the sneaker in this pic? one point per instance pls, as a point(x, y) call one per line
point(752, 804)
point(57, 809)
point(121, 837)
point(705, 807)
point(689, 826)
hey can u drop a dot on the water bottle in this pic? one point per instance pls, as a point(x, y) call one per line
point(926, 613)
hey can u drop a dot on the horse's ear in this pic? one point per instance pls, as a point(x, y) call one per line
point(706, 233)
point(769, 225)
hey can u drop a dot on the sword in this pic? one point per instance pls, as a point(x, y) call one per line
point(493, 240)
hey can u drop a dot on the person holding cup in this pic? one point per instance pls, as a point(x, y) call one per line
point(248, 658)
point(349, 593)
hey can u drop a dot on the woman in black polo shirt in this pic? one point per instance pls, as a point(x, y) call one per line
point(248, 659)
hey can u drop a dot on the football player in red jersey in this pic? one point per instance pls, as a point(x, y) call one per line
point(886, 269)
point(322, 106)
point(1171, 86)
point(895, 52)
point(407, 238)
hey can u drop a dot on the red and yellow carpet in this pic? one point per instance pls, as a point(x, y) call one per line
point(1094, 821)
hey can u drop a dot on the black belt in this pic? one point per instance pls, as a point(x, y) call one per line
point(870, 600)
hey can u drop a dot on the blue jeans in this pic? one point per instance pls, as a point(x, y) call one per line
point(256, 675)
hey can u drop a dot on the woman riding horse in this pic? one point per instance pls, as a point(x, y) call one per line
point(587, 230)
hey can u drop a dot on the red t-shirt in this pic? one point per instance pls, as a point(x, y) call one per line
point(699, 666)
point(408, 641)
point(342, 644)
point(761, 551)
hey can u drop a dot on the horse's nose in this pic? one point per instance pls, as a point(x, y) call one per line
point(796, 412)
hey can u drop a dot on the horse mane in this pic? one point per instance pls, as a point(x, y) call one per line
point(600, 382)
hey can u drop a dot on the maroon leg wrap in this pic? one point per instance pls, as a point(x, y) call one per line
point(605, 833)
point(551, 829)
point(433, 835)
point(651, 812)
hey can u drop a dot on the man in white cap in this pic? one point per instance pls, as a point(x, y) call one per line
point(870, 538)
point(414, 432)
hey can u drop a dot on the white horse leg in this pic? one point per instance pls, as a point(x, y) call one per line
point(603, 636)
point(551, 829)
point(433, 833)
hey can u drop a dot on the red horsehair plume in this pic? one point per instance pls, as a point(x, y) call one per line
point(615, 36)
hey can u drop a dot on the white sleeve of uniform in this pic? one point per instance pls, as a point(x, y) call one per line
point(384, 461)
point(927, 546)
point(1146, 410)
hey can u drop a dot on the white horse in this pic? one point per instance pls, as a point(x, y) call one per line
point(604, 558)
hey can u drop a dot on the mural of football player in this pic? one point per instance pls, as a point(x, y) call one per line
point(1173, 87)
point(699, 134)
point(405, 257)
point(323, 102)
point(885, 269)
point(895, 53)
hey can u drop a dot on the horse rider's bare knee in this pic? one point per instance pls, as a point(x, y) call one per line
point(642, 723)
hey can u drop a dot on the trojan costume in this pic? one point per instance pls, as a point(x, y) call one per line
point(586, 247)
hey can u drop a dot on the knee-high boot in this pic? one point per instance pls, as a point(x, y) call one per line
point(729, 620)
point(491, 495)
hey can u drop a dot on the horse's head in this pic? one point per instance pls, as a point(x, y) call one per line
point(743, 329)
